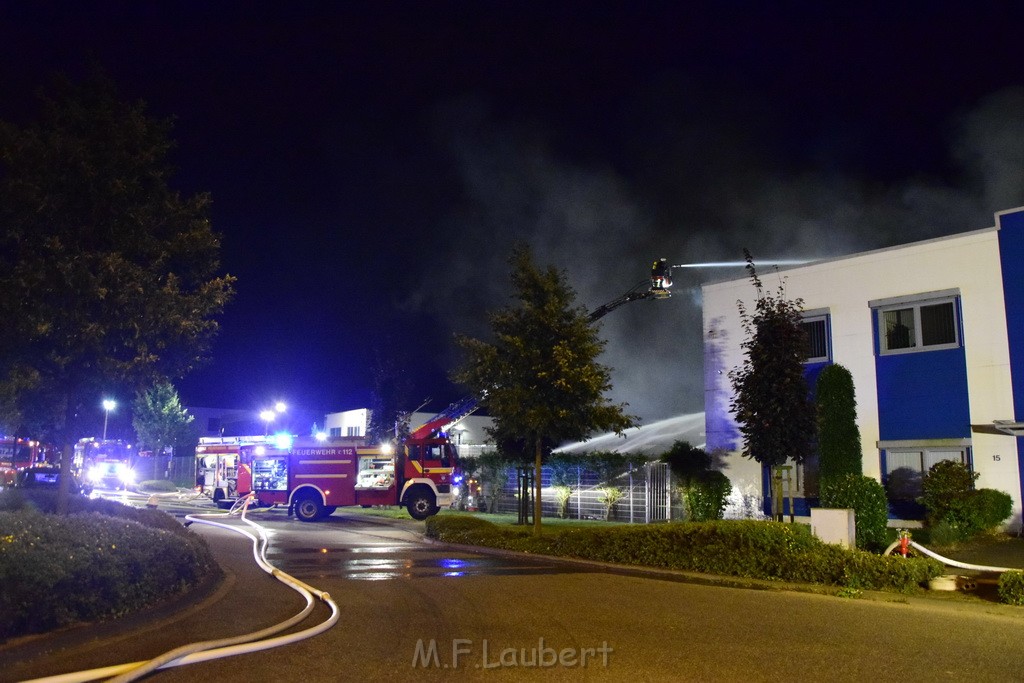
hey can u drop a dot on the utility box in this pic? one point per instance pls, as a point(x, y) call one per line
point(835, 525)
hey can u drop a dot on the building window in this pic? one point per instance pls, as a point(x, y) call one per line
point(352, 431)
point(924, 325)
point(335, 431)
point(819, 350)
point(905, 468)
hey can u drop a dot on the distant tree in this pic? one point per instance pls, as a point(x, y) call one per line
point(771, 400)
point(389, 398)
point(108, 277)
point(494, 471)
point(161, 421)
point(839, 449)
point(540, 379)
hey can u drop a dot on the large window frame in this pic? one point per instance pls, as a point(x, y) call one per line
point(916, 324)
point(906, 463)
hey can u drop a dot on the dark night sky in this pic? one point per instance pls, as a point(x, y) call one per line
point(371, 163)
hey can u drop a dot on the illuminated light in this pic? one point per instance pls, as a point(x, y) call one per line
point(327, 493)
point(386, 449)
point(283, 440)
point(321, 436)
point(260, 450)
point(323, 551)
point(280, 407)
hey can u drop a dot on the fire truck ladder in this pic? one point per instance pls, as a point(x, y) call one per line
point(447, 418)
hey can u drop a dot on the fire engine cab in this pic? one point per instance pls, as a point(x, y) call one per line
point(314, 478)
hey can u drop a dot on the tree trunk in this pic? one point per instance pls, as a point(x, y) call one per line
point(67, 451)
point(538, 451)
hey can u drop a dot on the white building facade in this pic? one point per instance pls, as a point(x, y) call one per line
point(933, 334)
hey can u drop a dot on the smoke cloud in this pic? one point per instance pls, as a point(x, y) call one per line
point(709, 190)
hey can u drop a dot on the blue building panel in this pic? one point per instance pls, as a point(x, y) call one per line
point(923, 395)
point(1011, 256)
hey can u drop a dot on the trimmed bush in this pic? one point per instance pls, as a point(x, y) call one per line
point(102, 561)
point(867, 498)
point(742, 548)
point(946, 484)
point(1011, 588)
point(993, 507)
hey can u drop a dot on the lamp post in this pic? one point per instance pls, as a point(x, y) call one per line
point(108, 405)
point(267, 416)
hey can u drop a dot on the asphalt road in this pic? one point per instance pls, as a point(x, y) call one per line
point(411, 610)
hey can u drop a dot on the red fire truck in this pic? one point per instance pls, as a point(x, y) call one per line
point(15, 454)
point(219, 474)
point(313, 477)
point(109, 464)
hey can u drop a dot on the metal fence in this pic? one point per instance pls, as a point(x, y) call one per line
point(645, 495)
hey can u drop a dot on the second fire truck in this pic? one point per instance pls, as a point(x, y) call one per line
point(315, 477)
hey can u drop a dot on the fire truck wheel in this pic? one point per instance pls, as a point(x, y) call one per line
point(329, 510)
point(421, 503)
point(308, 508)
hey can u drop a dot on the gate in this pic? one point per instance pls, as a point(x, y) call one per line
point(659, 493)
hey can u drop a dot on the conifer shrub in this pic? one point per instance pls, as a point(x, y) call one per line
point(839, 443)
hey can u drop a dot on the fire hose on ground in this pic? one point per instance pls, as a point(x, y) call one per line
point(904, 543)
point(256, 641)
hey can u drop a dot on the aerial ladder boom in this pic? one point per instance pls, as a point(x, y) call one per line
point(657, 287)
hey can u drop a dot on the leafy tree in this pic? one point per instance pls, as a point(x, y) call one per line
point(771, 400)
point(390, 396)
point(160, 421)
point(108, 277)
point(838, 436)
point(540, 378)
point(494, 476)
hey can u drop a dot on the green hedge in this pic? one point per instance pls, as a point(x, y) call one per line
point(867, 499)
point(102, 561)
point(743, 548)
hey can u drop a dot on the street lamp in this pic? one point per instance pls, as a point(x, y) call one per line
point(108, 405)
point(267, 416)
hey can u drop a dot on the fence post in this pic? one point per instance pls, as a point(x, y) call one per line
point(630, 493)
point(579, 493)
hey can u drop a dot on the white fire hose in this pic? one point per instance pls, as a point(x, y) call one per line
point(256, 641)
point(947, 561)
